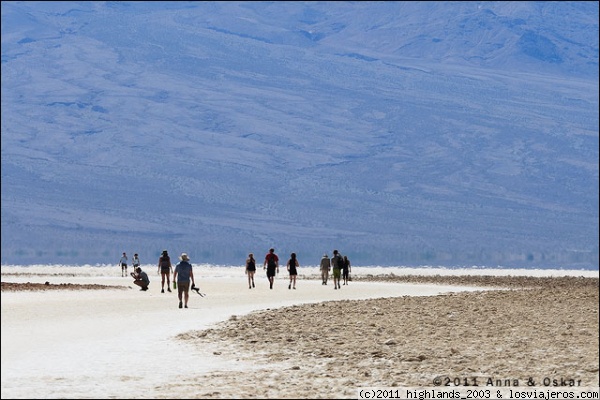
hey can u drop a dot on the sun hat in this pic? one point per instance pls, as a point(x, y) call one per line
point(184, 257)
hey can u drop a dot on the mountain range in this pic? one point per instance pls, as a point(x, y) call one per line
point(400, 133)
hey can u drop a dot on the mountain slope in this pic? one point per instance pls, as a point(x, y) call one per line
point(400, 133)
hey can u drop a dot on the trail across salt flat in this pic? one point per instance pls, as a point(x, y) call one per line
point(121, 343)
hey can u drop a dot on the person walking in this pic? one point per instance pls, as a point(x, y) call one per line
point(325, 268)
point(181, 278)
point(250, 270)
point(141, 279)
point(346, 270)
point(292, 267)
point(123, 264)
point(271, 264)
point(337, 262)
point(165, 268)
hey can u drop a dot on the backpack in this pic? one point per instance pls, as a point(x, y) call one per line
point(340, 261)
point(271, 262)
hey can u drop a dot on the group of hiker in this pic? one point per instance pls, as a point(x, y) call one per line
point(183, 273)
point(339, 264)
point(341, 269)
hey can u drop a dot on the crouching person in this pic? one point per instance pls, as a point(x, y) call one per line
point(141, 279)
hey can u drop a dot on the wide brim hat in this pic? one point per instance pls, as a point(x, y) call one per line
point(184, 257)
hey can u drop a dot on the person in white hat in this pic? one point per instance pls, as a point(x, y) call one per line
point(182, 276)
point(325, 268)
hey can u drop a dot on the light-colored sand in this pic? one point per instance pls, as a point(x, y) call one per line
point(310, 343)
point(63, 341)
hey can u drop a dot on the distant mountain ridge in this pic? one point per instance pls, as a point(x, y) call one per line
point(401, 133)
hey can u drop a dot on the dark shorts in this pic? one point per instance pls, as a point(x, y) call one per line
point(337, 273)
point(123, 266)
point(141, 283)
point(165, 270)
point(293, 271)
point(271, 271)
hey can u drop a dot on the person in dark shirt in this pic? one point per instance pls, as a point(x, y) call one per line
point(346, 270)
point(165, 268)
point(141, 279)
point(292, 267)
point(250, 270)
point(337, 262)
point(182, 275)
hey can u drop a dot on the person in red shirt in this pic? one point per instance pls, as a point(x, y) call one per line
point(271, 264)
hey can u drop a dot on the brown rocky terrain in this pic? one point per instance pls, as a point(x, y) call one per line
point(545, 329)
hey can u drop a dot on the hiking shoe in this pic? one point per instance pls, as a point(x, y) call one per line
point(290, 286)
point(253, 284)
point(169, 289)
point(180, 304)
point(185, 306)
point(162, 291)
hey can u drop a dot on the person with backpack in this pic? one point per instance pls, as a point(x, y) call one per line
point(338, 263)
point(271, 264)
point(292, 266)
point(165, 268)
point(325, 268)
point(250, 270)
point(123, 264)
point(346, 270)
